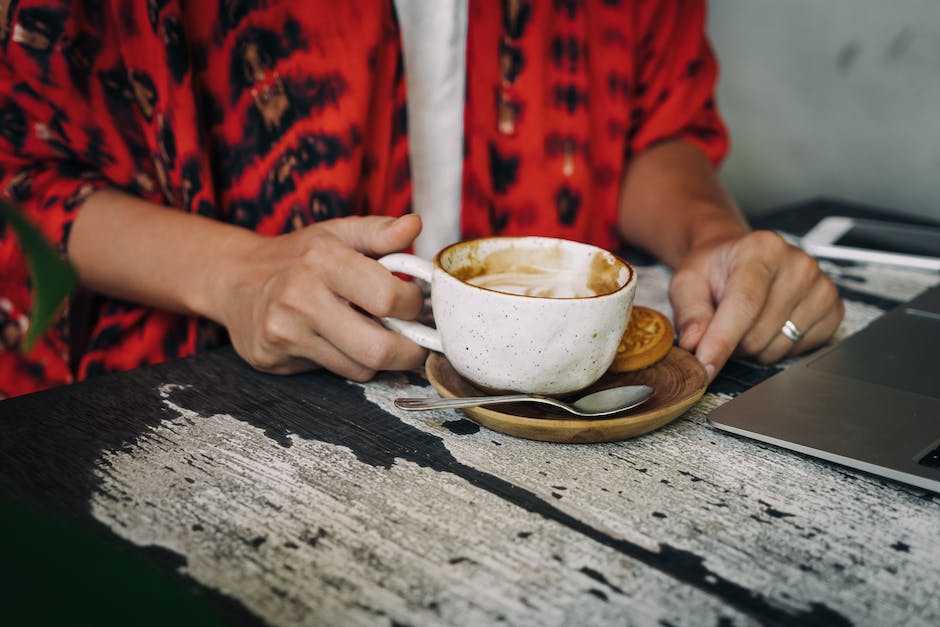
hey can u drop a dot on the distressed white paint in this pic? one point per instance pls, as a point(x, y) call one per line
point(388, 536)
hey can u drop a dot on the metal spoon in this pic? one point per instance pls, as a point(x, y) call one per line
point(601, 403)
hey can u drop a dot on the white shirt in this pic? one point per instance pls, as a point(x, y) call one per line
point(434, 37)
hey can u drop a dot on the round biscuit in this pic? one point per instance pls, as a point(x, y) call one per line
point(648, 338)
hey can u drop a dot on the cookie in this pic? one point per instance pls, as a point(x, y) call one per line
point(648, 338)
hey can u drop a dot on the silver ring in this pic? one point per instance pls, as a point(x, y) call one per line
point(791, 331)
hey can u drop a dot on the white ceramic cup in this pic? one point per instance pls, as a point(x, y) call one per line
point(528, 314)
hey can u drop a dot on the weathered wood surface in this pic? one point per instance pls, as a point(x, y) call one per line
point(312, 500)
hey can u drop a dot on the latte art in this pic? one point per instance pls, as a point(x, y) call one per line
point(536, 282)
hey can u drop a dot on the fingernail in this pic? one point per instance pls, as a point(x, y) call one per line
point(710, 371)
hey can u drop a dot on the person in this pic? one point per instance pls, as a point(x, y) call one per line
point(229, 170)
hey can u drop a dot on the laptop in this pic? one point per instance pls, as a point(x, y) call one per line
point(870, 402)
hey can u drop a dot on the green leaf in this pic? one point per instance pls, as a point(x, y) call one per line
point(53, 277)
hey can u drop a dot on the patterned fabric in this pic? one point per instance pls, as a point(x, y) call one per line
point(275, 115)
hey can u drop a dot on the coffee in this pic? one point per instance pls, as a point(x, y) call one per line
point(537, 282)
point(550, 272)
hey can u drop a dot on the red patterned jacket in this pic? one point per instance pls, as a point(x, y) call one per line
point(275, 114)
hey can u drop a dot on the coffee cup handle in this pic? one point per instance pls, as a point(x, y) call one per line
point(418, 333)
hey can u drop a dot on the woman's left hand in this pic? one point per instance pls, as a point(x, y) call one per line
point(738, 295)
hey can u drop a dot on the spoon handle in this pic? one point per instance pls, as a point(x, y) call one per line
point(467, 401)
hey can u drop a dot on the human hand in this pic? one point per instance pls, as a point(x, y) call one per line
point(737, 294)
point(306, 299)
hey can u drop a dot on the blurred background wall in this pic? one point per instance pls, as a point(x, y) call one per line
point(839, 98)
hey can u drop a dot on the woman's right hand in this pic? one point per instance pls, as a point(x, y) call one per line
point(290, 303)
point(309, 299)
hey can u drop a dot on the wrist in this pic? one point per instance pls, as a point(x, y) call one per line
point(713, 226)
point(223, 272)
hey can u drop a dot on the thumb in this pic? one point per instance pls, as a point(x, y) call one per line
point(375, 236)
point(692, 307)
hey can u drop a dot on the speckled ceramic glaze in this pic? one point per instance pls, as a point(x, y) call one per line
point(512, 341)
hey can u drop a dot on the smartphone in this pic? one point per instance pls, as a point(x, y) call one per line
point(876, 241)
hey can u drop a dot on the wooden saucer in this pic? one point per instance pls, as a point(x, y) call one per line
point(679, 379)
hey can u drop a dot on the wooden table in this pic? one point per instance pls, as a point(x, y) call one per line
point(312, 500)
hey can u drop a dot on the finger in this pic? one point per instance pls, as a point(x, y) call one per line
point(822, 331)
point(817, 316)
point(285, 344)
point(692, 307)
point(322, 354)
point(793, 283)
point(360, 279)
point(284, 365)
point(362, 339)
point(378, 348)
point(369, 285)
point(336, 361)
point(745, 295)
point(375, 236)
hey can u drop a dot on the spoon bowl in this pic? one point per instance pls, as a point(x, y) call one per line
point(602, 403)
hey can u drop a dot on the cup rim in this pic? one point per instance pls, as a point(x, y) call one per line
point(630, 269)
